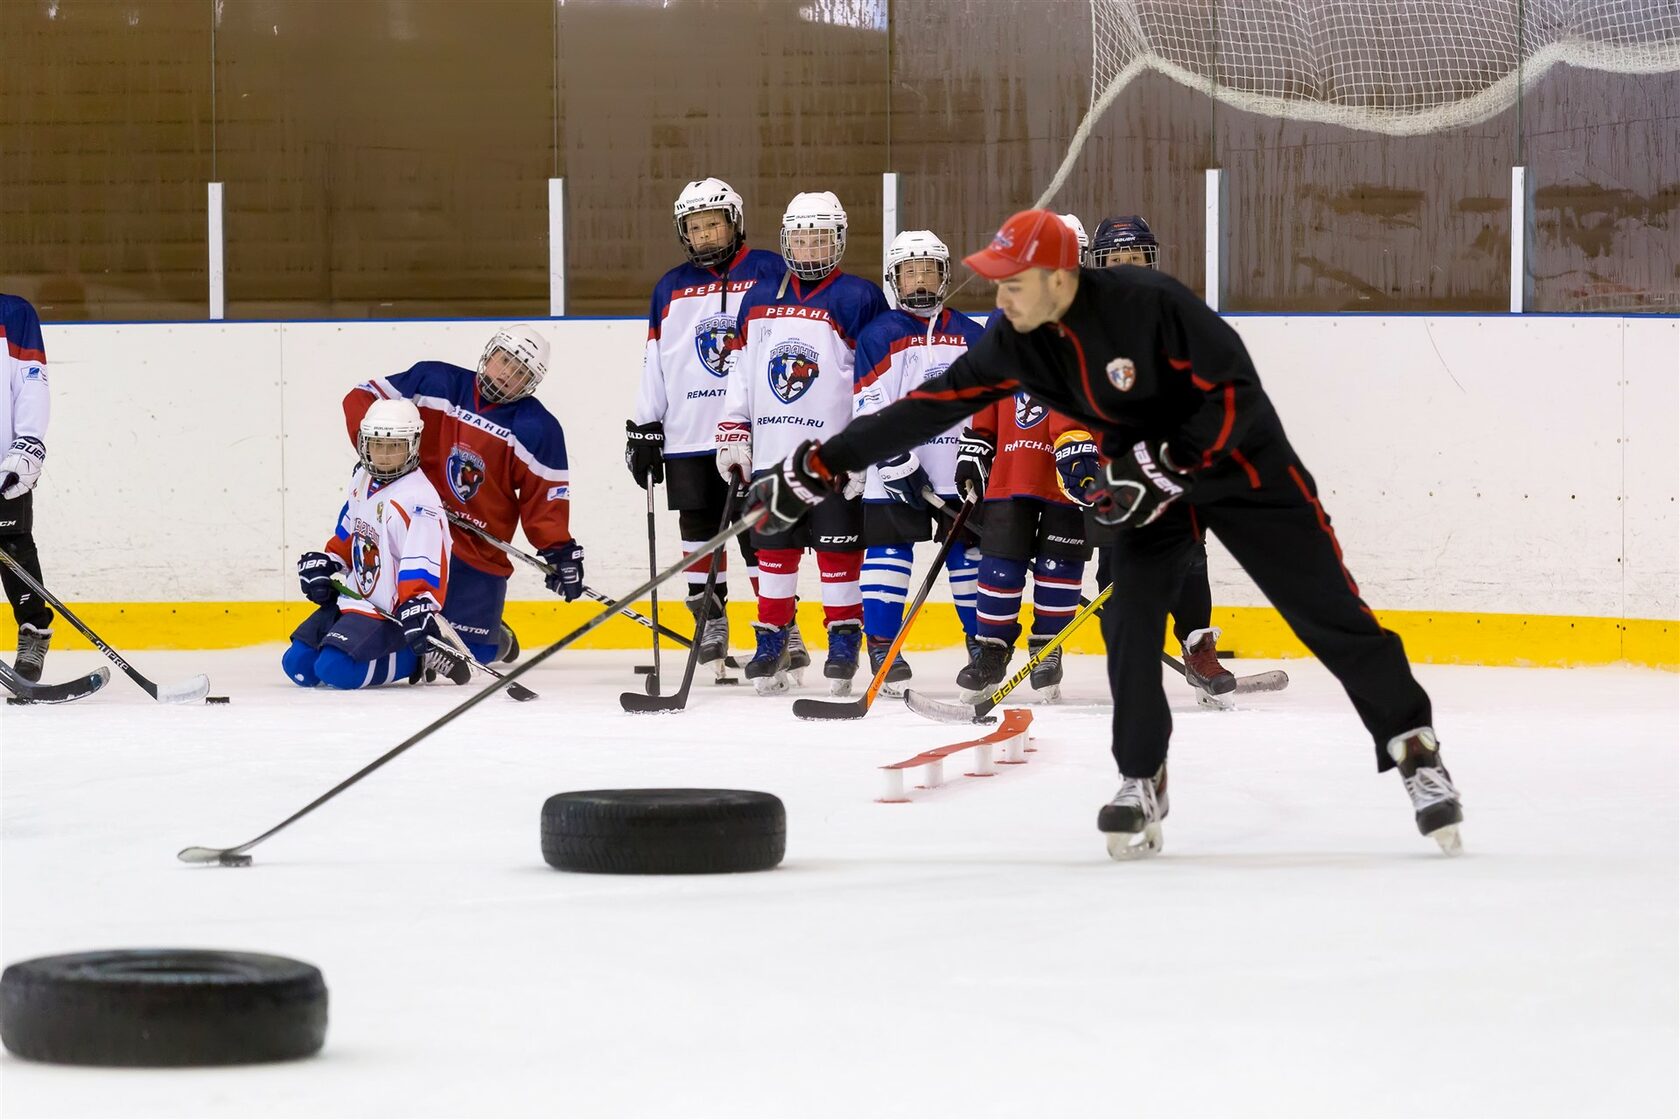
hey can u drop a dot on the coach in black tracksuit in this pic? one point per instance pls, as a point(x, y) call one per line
point(1193, 443)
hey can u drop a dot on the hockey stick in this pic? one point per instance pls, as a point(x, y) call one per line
point(454, 644)
point(542, 566)
point(1271, 681)
point(182, 692)
point(677, 701)
point(807, 708)
point(236, 857)
point(652, 682)
point(946, 711)
point(33, 692)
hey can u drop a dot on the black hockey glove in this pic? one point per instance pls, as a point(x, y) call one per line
point(644, 451)
point(904, 479)
point(974, 464)
point(792, 487)
point(418, 618)
point(315, 575)
point(1077, 465)
point(1138, 486)
point(566, 559)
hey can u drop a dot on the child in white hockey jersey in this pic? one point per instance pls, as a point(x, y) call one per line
point(792, 381)
point(896, 353)
point(391, 548)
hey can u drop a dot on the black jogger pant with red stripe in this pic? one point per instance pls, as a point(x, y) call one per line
point(1281, 536)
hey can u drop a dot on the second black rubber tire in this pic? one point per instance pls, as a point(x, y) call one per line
point(664, 831)
point(162, 1007)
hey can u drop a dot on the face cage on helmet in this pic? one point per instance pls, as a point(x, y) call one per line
point(381, 475)
point(711, 258)
point(1151, 254)
point(814, 270)
point(496, 395)
point(929, 302)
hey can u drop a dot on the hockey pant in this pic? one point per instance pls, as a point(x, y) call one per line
point(1281, 535)
point(17, 537)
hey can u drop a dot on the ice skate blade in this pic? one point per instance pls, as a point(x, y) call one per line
point(839, 688)
point(1206, 699)
point(1050, 694)
point(771, 685)
point(973, 695)
point(895, 689)
point(1449, 839)
point(1124, 846)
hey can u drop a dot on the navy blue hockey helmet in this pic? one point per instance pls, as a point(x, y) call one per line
point(1124, 234)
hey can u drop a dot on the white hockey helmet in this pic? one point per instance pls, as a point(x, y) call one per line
point(915, 245)
point(1078, 227)
point(814, 224)
point(699, 197)
point(513, 364)
point(395, 420)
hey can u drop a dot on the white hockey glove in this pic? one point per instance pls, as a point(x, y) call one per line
point(734, 449)
point(21, 468)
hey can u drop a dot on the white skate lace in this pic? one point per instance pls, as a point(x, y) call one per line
point(1139, 793)
point(1429, 785)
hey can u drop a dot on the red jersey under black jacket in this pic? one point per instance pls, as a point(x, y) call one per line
point(1137, 356)
point(1024, 430)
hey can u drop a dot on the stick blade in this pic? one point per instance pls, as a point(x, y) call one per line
point(189, 691)
point(640, 703)
point(807, 708)
point(202, 855)
point(944, 711)
point(1275, 681)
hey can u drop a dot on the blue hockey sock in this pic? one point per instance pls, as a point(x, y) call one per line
point(886, 584)
point(962, 571)
point(1056, 586)
point(998, 605)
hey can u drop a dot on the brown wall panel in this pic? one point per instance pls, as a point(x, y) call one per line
point(386, 158)
point(104, 153)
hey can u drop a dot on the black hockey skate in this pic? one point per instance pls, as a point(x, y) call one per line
point(988, 661)
point(711, 626)
point(1047, 674)
point(1202, 671)
point(1434, 798)
point(507, 646)
point(437, 663)
point(893, 683)
point(841, 666)
point(1132, 821)
point(32, 643)
point(768, 669)
point(799, 658)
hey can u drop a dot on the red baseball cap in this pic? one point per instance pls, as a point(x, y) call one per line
point(1029, 239)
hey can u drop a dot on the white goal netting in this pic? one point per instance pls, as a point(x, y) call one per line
point(1401, 67)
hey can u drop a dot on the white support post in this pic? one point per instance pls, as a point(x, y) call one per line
point(557, 247)
point(1214, 287)
point(889, 219)
point(218, 252)
point(1522, 229)
point(892, 786)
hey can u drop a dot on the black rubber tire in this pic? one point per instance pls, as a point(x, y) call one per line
point(664, 831)
point(162, 1007)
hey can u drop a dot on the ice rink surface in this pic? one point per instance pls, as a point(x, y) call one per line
point(1296, 950)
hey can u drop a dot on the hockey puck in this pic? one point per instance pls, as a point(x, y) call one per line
point(19, 700)
point(232, 860)
point(218, 700)
point(663, 831)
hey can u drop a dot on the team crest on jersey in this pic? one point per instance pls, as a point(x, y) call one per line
point(711, 344)
point(465, 468)
point(1122, 374)
point(364, 555)
point(1027, 411)
point(793, 370)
